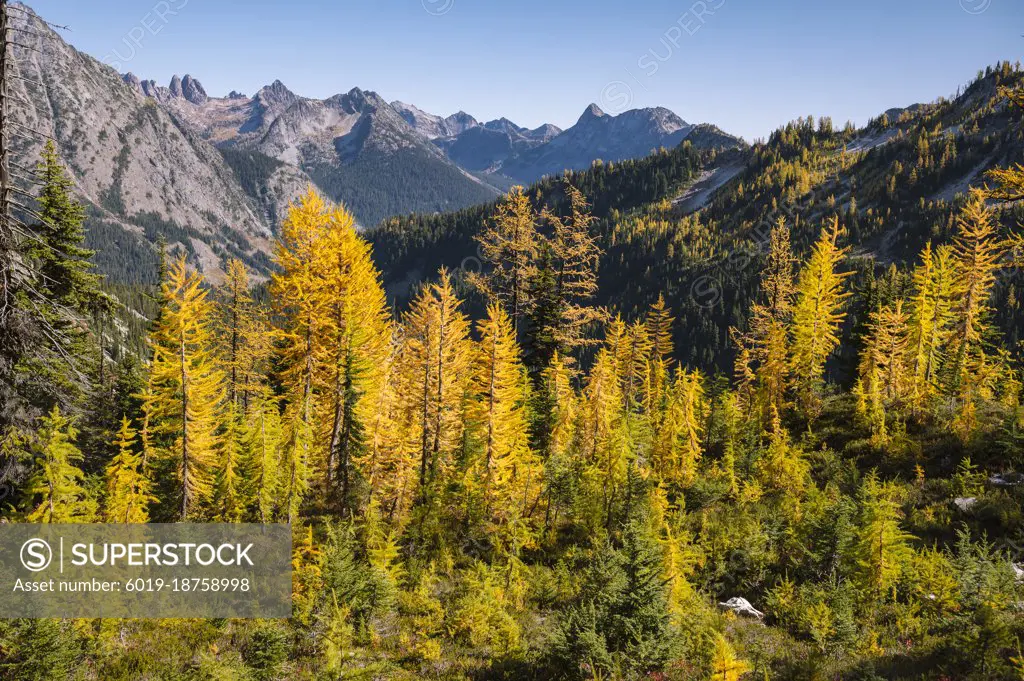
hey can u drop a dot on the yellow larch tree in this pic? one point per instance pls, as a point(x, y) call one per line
point(557, 384)
point(732, 419)
point(658, 322)
point(509, 243)
point(634, 366)
point(762, 352)
point(307, 574)
point(245, 349)
point(772, 317)
point(436, 360)
point(261, 455)
point(726, 665)
point(574, 258)
point(884, 379)
point(880, 551)
point(971, 373)
point(388, 460)
point(743, 375)
point(930, 317)
point(235, 312)
point(355, 346)
point(601, 433)
point(298, 293)
point(506, 471)
point(128, 486)
point(782, 467)
point(685, 427)
point(229, 502)
point(186, 389)
point(57, 482)
point(817, 315)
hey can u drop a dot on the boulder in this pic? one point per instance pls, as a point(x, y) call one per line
point(741, 606)
point(965, 503)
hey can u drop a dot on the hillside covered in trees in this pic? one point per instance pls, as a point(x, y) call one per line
point(896, 184)
point(535, 467)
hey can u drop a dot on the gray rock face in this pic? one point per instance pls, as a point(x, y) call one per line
point(965, 503)
point(459, 123)
point(132, 81)
point(127, 156)
point(187, 88)
point(276, 95)
point(192, 90)
point(349, 145)
point(154, 91)
point(431, 126)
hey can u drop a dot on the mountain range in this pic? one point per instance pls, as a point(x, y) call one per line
point(341, 141)
point(214, 175)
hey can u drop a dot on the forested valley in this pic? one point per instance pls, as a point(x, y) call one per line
point(561, 460)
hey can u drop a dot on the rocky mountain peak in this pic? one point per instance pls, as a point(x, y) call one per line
point(503, 125)
point(187, 88)
point(192, 90)
point(590, 113)
point(546, 131)
point(359, 98)
point(665, 119)
point(276, 93)
point(460, 122)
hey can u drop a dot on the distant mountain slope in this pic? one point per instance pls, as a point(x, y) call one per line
point(508, 153)
point(692, 223)
point(142, 174)
point(433, 126)
point(354, 146)
point(597, 135)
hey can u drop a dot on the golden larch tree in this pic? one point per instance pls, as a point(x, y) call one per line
point(509, 243)
point(355, 346)
point(884, 374)
point(186, 388)
point(601, 433)
point(931, 314)
point(129, 490)
point(970, 372)
point(817, 315)
point(56, 491)
point(436, 359)
point(298, 293)
point(506, 470)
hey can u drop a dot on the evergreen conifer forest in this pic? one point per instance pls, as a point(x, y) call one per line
point(559, 461)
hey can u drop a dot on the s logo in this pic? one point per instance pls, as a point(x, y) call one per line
point(36, 555)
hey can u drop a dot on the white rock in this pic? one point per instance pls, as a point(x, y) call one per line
point(741, 606)
point(965, 503)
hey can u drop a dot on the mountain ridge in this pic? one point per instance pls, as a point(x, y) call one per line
point(496, 153)
point(215, 175)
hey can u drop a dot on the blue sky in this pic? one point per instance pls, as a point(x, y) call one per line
point(746, 65)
